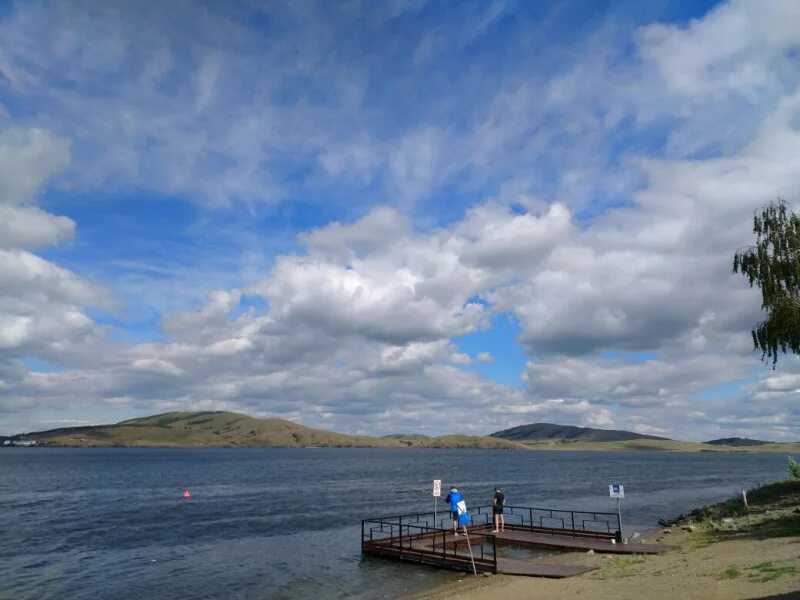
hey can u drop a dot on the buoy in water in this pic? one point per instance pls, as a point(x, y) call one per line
point(187, 494)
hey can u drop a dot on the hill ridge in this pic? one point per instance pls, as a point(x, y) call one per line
point(230, 429)
point(200, 429)
point(569, 433)
point(737, 441)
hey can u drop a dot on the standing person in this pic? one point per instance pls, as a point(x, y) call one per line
point(497, 510)
point(454, 497)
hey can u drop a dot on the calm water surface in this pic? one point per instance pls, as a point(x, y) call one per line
point(285, 523)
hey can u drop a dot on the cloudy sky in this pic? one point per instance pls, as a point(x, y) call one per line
point(400, 216)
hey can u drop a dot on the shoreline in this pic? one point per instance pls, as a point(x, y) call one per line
point(720, 552)
point(795, 449)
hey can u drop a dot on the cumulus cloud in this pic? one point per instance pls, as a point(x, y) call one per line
point(619, 281)
point(739, 48)
point(460, 358)
point(29, 158)
point(30, 227)
point(634, 387)
point(155, 365)
point(41, 304)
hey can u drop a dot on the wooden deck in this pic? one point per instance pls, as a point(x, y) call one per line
point(415, 538)
point(424, 553)
point(421, 553)
point(530, 539)
point(450, 551)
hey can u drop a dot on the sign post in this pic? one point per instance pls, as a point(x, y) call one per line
point(437, 493)
point(746, 507)
point(617, 490)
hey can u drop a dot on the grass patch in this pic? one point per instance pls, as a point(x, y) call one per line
point(624, 566)
point(731, 573)
point(768, 571)
point(780, 494)
point(785, 526)
point(698, 539)
point(774, 492)
point(629, 561)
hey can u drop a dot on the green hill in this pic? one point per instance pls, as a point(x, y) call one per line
point(228, 429)
point(548, 436)
point(737, 441)
point(549, 432)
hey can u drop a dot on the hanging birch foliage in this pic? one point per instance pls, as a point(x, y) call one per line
point(773, 264)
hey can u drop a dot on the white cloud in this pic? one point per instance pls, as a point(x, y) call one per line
point(484, 357)
point(31, 227)
point(157, 366)
point(40, 302)
point(629, 382)
point(460, 358)
point(229, 347)
point(739, 48)
point(358, 325)
point(380, 227)
point(498, 240)
point(28, 158)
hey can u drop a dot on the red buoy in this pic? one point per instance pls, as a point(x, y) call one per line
point(187, 494)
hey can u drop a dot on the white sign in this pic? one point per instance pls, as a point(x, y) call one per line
point(616, 490)
point(437, 488)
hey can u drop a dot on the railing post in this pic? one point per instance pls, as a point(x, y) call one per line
point(494, 556)
point(444, 549)
point(572, 521)
point(400, 524)
point(530, 518)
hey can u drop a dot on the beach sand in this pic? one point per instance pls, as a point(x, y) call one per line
point(726, 561)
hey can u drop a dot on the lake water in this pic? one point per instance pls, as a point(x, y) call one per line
point(285, 523)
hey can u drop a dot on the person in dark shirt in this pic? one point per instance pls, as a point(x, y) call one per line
point(454, 497)
point(497, 510)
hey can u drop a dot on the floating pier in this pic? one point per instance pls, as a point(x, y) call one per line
point(423, 539)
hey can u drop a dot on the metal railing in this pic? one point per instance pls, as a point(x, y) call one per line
point(412, 538)
point(570, 522)
point(427, 537)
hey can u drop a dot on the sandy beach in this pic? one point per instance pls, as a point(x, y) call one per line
point(721, 557)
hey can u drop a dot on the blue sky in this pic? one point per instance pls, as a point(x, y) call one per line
point(300, 210)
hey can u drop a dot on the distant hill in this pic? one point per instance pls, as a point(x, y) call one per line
point(228, 429)
point(737, 441)
point(549, 432)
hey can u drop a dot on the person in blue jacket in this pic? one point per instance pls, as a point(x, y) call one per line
point(454, 497)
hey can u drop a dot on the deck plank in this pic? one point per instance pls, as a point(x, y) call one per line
point(445, 550)
point(522, 537)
